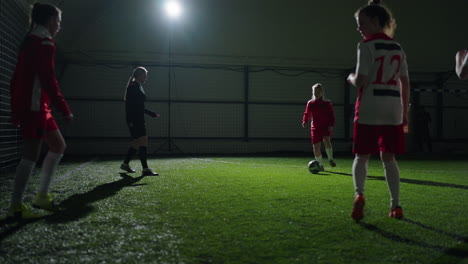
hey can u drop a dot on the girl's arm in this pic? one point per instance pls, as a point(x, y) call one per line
point(151, 113)
point(306, 116)
point(46, 73)
point(405, 96)
point(331, 118)
point(363, 65)
point(358, 80)
point(461, 68)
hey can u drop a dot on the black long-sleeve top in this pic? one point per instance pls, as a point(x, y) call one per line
point(135, 104)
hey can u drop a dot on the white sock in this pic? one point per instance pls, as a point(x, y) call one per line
point(359, 174)
point(319, 159)
point(23, 172)
point(49, 166)
point(329, 152)
point(392, 174)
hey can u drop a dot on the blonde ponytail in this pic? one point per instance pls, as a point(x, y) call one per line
point(136, 72)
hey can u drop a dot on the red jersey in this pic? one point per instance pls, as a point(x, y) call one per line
point(33, 85)
point(321, 112)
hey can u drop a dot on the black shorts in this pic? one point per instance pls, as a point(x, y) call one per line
point(137, 129)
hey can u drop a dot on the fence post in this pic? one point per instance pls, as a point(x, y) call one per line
point(246, 103)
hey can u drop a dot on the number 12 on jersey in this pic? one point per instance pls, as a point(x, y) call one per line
point(385, 63)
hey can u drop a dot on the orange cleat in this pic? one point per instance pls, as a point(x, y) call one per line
point(396, 212)
point(358, 209)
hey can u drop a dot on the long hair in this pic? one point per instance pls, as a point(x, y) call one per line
point(136, 72)
point(318, 85)
point(40, 15)
point(383, 14)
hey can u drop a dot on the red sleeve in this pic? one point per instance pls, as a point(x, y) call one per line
point(47, 76)
point(331, 115)
point(307, 113)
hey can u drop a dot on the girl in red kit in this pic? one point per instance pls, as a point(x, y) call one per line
point(34, 89)
point(323, 120)
point(382, 104)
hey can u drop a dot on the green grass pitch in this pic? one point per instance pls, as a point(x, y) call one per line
point(241, 210)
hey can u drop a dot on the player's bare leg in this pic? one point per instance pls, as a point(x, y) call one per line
point(32, 149)
point(329, 150)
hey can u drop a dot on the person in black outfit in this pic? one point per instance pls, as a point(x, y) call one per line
point(422, 130)
point(135, 117)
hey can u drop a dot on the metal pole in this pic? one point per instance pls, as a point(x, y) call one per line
point(246, 103)
point(169, 91)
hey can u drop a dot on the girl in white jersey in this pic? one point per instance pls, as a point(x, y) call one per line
point(382, 104)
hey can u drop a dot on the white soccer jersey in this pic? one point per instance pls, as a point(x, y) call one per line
point(383, 61)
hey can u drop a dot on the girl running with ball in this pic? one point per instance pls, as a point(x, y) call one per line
point(320, 110)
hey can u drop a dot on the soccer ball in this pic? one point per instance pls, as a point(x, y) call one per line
point(314, 166)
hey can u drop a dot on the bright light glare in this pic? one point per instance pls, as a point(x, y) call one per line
point(173, 9)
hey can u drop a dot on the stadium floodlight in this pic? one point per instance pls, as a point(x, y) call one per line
point(173, 9)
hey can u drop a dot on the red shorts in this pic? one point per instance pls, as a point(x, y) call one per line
point(317, 134)
point(372, 139)
point(37, 125)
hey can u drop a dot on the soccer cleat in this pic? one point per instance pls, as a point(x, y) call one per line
point(45, 201)
point(322, 168)
point(127, 168)
point(21, 212)
point(332, 163)
point(358, 208)
point(149, 172)
point(396, 212)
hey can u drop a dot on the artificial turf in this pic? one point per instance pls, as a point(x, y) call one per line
point(241, 210)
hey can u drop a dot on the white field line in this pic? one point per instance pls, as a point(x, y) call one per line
point(252, 164)
point(76, 169)
point(298, 166)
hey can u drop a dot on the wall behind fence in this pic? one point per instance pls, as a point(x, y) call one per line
point(224, 109)
point(214, 109)
point(14, 22)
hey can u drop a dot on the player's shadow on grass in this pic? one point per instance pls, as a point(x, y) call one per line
point(75, 207)
point(420, 182)
point(458, 252)
point(442, 232)
point(8, 228)
point(79, 205)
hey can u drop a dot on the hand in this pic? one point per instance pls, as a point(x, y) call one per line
point(461, 54)
point(154, 115)
point(405, 119)
point(304, 124)
point(351, 78)
point(68, 119)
